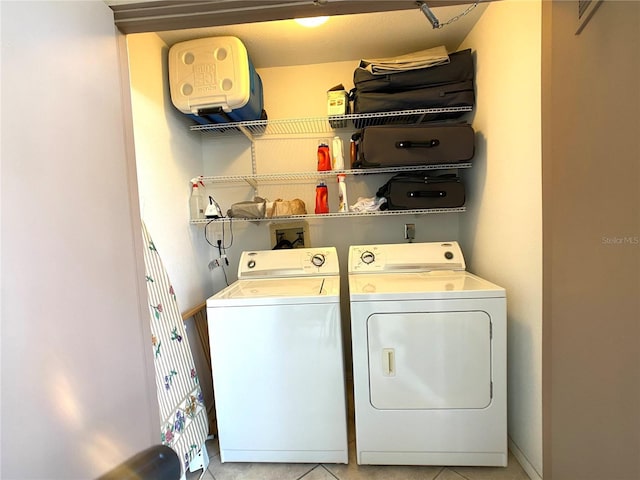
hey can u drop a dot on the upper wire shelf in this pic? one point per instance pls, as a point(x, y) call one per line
point(291, 126)
point(278, 177)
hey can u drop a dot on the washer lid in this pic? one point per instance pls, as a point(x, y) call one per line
point(278, 291)
point(421, 286)
point(406, 257)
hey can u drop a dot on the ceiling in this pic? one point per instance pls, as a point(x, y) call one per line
point(342, 37)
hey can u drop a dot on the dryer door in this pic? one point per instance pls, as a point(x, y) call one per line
point(430, 360)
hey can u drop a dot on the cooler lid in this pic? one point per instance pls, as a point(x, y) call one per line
point(295, 262)
point(406, 257)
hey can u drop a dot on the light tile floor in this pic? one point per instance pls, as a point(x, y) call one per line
point(352, 471)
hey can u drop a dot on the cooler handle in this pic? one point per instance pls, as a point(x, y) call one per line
point(434, 142)
point(214, 111)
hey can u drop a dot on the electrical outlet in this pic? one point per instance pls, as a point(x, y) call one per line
point(215, 263)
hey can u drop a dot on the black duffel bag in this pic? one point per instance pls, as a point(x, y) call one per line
point(441, 86)
point(459, 69)
point(448, 95)
point(420, 190)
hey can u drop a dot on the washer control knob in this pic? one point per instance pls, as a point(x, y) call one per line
point(251, 263)
point(367, 257)
point(448, 255)
point(318, 259)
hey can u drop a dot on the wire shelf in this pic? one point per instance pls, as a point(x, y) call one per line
point(332, 215)
point(292, 126)
point(280, 177)
point(321, 125)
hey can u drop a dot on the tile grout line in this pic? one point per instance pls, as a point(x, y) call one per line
point(329, 472)
point(308, 471)
point(458, 473)
point(442, 469)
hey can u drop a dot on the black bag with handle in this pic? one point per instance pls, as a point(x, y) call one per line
point(422, 190)
point(459, 69)
point(447, 85)
point(413, 145)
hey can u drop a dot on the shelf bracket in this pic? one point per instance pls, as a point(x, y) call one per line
point(245, 131)
point(254, 169)
point(253, 184)
point(203, 112)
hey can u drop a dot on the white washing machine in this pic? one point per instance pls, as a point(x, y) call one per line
point(429, 357)
point(277, 359)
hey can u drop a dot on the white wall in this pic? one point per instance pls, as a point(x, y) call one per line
point(78, 385)
point(167, 157)
point(502, 230)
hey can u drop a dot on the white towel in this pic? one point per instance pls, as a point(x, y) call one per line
point(411, 61)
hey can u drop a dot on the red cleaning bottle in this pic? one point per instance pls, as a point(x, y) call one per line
point(324, 156)
point(322, 199)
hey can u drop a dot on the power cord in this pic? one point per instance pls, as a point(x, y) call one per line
point(224, 247)
point(222, 259)
point(221, 254)
point(206, 237)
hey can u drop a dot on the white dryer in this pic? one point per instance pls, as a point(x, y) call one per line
point(277, 359)
point(429, 357)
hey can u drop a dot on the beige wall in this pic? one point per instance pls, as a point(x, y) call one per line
point(502, 230)
point(591, 165)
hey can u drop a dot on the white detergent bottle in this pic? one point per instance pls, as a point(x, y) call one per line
point(343, 203)
point(197, 203)
point(338, 155)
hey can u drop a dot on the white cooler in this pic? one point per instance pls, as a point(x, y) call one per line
point(213, 80)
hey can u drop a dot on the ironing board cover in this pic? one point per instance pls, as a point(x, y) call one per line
point(183, 416)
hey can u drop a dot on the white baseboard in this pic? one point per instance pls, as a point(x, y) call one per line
point(523, 461)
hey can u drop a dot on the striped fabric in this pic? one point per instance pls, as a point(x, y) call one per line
point(184, 424)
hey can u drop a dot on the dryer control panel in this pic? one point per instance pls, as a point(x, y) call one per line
point(406, 257)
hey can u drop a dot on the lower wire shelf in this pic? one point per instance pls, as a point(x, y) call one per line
point(332, 215)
